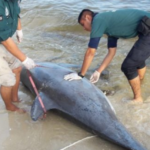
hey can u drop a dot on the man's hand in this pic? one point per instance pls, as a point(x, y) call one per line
point(95, 77)
point(19, 35)
point(29, 63)
point(72, 76)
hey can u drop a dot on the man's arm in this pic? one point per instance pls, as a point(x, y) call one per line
point(93, 44)
point(96, 75)
point(19, 33)
point(112, 44)
point(19, 24)
point(13, 49)
point(107, 59)
point(89, 55)
point(86, 63)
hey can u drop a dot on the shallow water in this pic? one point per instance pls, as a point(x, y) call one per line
point(51, 33)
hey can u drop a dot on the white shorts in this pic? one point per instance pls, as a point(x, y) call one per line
point(7, 63)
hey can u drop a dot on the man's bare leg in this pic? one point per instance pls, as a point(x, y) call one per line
point(16, 86)
point(141, 73)
point(6, 93)
point(136, 88)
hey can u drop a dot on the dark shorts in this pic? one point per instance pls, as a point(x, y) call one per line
point(136, 58)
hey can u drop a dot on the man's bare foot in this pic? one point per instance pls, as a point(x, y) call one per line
point(16, 100)
point(15, 109)
point(137, 101)
point(20, 111)
point(133, 101)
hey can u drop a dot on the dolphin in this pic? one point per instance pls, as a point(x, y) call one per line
point(79, 99)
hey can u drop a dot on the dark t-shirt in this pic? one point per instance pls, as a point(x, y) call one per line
point(9, 13)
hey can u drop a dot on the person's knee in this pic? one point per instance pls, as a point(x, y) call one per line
point(124, 68)
point(130, 72)
point(125, 71)
point(141, 74)
point(141, 77)
point(141, 71)
point(8, 80)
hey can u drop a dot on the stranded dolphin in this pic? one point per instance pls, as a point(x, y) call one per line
point(79, 99)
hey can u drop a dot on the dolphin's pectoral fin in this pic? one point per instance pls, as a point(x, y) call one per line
point(37, 110)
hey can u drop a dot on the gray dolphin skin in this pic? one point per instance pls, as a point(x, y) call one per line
point(79, 99)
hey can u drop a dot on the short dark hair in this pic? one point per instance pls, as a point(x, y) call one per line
point(81, 13)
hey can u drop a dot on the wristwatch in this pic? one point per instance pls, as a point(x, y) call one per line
point(79, 74)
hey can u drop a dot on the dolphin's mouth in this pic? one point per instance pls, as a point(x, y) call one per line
point(36, 110)
point(36, 116)
point(34, 119)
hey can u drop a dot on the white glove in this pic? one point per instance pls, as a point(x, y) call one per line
point(29, 63)
point(95, 77)
point(19, 35)
point(72, 76)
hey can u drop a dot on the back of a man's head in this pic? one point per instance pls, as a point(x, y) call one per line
point(88, 11)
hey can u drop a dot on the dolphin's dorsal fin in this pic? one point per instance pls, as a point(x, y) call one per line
point(37, 110)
